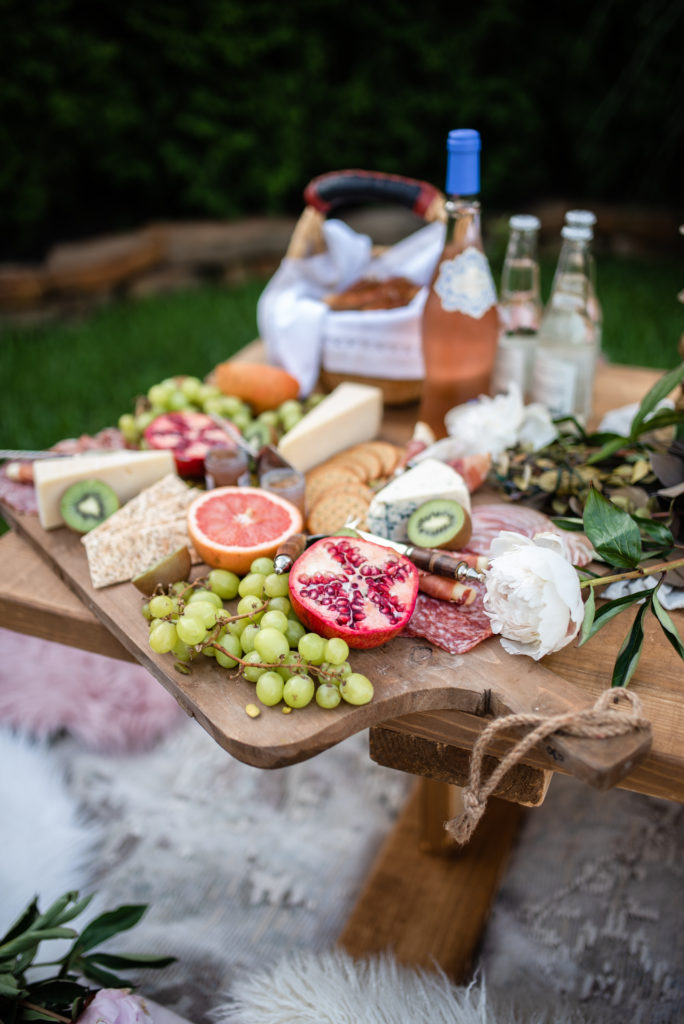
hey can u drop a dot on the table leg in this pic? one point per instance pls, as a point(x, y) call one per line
point(427, 907)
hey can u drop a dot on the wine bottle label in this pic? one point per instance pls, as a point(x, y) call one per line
point(555, 382)
point(465, 284)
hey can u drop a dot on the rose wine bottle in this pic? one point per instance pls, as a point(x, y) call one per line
point(460, 324)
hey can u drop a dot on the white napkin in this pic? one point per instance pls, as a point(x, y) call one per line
point(291, 315)
point(670, 597)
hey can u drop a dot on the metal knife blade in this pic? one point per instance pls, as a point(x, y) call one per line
point(441, 563)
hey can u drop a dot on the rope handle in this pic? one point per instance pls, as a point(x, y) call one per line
point(598, 722)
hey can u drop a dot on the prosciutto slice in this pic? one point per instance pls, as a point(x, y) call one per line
point(489, 520)
point(453, 627)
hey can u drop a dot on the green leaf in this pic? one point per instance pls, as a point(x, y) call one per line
point(123, 962)
point(656, 531)
point(32, 938)
point(9, 985)
point(56, 990)
point(607, 612)
point(24, 921)
point(79, 906)
point(608, 449)
point(630, 652)
point(588, 620)
point(666, 622)
point(660, 390)
point(37, 1015)
point(660, 419)
point(569, 523)
point(49, 917)
point(108, 924)
point(102, 977)
point(613, 533)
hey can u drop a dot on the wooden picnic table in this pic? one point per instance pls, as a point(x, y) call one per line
point(426, 902)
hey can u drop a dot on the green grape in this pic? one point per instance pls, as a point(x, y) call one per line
point(208, 652)
point(163, 637)
point(252, 671)
point(292, 406)
point(336, 650)
point(224, 583)
point(312, 647)
point(237, 626)
point(205, 595)
point(269, 417)
point(153, 623)
point(192, 389)
point(280, 604)
point(241, 419)
point(232, 645)
point(146, 610)
point(213, 405)
point(336, 673)
point(328, 695)
point(202, 611)
point(298, 691)
point(145, 418)
point(181, 651)
point(269, 688)
point(191, 630)
point(159, 394)
point(129, 428)
point(356, 689)
point(274, 619)
point(178, 588)
point(291, 665)
point(264, 566)
point(177, 401)
point(248, 606)
point(271, 644)
point(231, 404)
point(294, 632)
point(248, 636)
point(209, 391)
point(277, 584)
point(161, 605)
point(252, 583)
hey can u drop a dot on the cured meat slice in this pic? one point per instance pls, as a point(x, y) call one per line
point(18, 496)
point(455, 628)
point(489, 520)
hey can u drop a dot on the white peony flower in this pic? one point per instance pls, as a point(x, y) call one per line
point(533, 597)
point(494, 424)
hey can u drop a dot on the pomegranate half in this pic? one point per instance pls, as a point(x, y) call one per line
point(354, 589)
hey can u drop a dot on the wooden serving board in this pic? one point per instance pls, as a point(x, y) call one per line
point(409, 676)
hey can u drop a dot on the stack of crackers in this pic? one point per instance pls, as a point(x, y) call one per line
point(146, 529)
point(341, 488)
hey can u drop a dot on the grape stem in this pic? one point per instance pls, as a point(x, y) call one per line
point(265, 664)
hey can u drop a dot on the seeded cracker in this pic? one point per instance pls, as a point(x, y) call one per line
point(148, 527)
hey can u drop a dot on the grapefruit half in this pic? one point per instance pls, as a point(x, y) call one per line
point(231, 526)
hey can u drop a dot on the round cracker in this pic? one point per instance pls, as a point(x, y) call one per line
point(388, 453)
point(367, 457)
point(332, 476)
point(338, 506)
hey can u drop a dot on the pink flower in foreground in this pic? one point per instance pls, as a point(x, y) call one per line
point(115, 1006)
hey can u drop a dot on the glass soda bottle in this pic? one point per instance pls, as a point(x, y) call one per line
point(520, 307)
point(587, 219)
point(565, 361)
point(460, 323)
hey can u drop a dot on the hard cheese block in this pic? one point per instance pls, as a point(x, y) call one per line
point(349, 415)
point(126, 472)
point(392, 507)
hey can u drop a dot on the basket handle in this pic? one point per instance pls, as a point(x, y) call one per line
point(335, 188)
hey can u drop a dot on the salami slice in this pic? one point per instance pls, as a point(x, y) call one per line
point(489, 520)
point(455, 628)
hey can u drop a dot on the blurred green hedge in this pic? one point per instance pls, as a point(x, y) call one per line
point(114, 113)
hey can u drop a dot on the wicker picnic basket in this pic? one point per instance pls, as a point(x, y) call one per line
point(335, 189)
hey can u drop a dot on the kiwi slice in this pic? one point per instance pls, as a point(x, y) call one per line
point(86, 504)
point(172, 568)
point(440, 523)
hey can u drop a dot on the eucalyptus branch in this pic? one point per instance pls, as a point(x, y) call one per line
point(651, 570)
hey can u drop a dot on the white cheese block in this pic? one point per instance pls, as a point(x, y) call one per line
point(349, 415)
point(126, 472)
point(391, 508)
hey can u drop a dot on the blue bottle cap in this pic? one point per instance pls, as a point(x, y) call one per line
point(463, 162)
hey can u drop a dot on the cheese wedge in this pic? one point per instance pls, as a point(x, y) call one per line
point(349, 415)
point(393, 506)
point(126, 472)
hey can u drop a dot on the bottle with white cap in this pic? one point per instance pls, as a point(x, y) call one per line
point(587, 219)
point(520, 307)
point(565, 362)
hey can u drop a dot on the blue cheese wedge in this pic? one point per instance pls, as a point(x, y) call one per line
point(126, 472)
point(392, 507)
point(351, 414)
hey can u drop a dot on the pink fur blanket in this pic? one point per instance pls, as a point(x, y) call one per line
point(111, 706)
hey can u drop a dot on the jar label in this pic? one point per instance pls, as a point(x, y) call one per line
point(555, 382)
point(465, 284)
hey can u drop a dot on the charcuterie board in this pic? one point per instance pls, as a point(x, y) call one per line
point(409, 675)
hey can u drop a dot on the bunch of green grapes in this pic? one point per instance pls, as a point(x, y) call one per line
point(264, 640)
point(190, 394)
